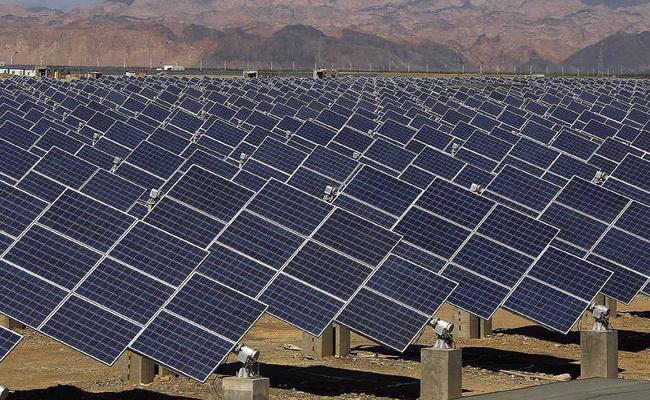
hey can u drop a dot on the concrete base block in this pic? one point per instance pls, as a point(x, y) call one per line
point(442, 374)
point(245, 389)
point(335, 341)
point(136, 370)
point(598, 354)
point(9, 323)
point(469, 326)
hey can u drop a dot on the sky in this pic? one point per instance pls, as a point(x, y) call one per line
point(60, 4)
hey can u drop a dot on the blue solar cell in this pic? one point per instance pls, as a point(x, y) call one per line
point(301, 305)
point(52, 257)
point(25, 297)
point(8, 341)
point(517, 231)
point(523, 188)
point(226, 133)
point(236, 270)
point(279, 155)
point(216, 307)
point(575, 145)
point(575, 228)
point(383, 320)
point(455, 203)
point(91, 330)
point(411, 285)
point(546, 305)
point(624, 284)
point(382, 191)
point(417, 177)
point(113, 190)
point(487, 146)
point(125, 291)
point(96, 157)
point(184, 222)
point(289, 207)
point(534, 153)
point(15, 161)
point(390, 155)
point(53, 138)
point(356, 237)
point(592, 200)
point(155, 160)
point(17, 135)
point(65, 168)
point(627, 190)
point(625, 249)
point(316, 133)
point(635, 171)
point(210, 193)
point(438, 163)
point(86, 220)
point(492, 260)
point(396, 131)
point(327, 270)
point(419, 256)
point(183, 346)
point(364, 210)
point(249, 180)
point(140, 176)
point(570, 274)
point(264, 171)
point(330, 163)
point(260, 239)
point(353, 140)
point(158, 253)
point(17, 209)
point(635, 220)
point(431, 233)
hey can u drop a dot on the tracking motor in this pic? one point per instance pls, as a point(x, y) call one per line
point(443, 330)
point(247, 357)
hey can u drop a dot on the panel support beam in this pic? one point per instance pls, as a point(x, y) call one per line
point(9, 323)
point(469, 326)
point(442, 374)
point(137, 370)
point(334, 342)
point(598, 354)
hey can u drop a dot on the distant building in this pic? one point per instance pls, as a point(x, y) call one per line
point(171, 68)
point(18, 70)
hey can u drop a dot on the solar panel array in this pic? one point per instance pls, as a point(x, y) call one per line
point(241, 227)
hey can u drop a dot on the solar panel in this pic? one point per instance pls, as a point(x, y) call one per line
point(455, 203)
point(635, 171)
point(8, 341)
point(575, 228)
point(158, 253)
point(15, 161)
point(155, 160)
point(65, 168)
point(523, 188)
point(330, 163)
point(356, 237)
point(278, 155)
point(289, 207)
point(113, 190)
point(17, 209)
point(592, 200)
point(626, 249)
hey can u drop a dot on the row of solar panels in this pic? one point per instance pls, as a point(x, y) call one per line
point(480, 243)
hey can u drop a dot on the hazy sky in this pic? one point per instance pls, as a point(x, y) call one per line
point(60, 4)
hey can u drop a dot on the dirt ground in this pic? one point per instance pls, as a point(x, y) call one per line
point(41, 368)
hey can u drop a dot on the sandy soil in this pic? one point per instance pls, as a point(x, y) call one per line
point(41, 368)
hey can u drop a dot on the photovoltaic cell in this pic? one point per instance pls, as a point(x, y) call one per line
point(575, 228)
point(546, 305)
point(155, 160)
point(382, 191)
point(17, 209)
point(279, 155)
point(301, 305)
point(91, 330)
point(86, 220)
point(125, 290)
point(8, 341)
point(210, 193)
point(635, 220)
point(183, 346)
point(113, 190)
point(260, 239)
point(356, 237)
point(625, 249)
point(624, 284)
point(455, 203)
point(517, 231)
point(431, 233)
point(330, 163)
point(592, 200)
point(289, 207)
point(25, 297)
point(65, 168)
point(523, 188)
point(635, 171)
point(158, 253)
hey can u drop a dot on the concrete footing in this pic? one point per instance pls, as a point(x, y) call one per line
point(469, 326)
point(598, 354)
point(442, 377)
point(9, 323)
point(137, 370)
point(335, 341)
point(245, 389)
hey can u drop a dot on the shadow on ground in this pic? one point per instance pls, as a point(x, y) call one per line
point(329, 381)
point(627, 340)
point(496, 360)
point(74, 393)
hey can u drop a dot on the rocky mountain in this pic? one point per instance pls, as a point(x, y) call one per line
point(627, 51)
point(491, 33)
